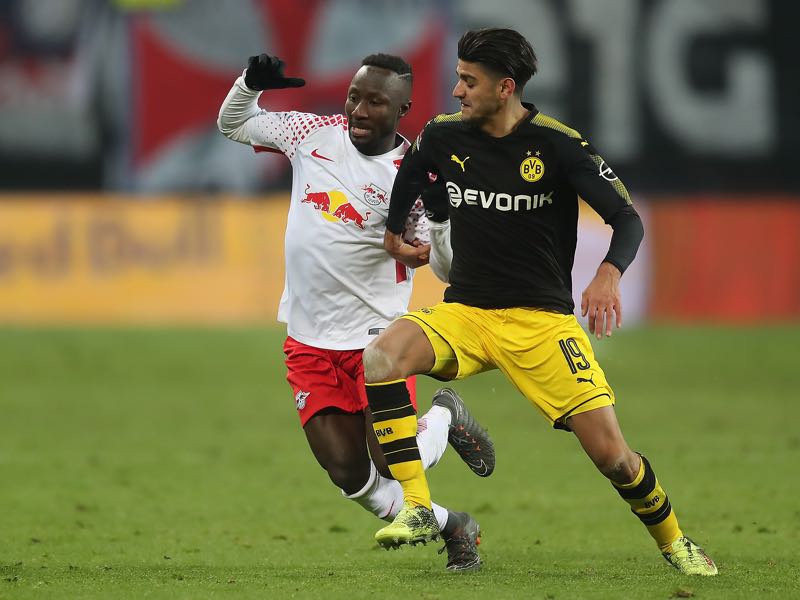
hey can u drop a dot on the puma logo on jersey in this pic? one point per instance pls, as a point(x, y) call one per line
point(584, 380)
point(455, 159)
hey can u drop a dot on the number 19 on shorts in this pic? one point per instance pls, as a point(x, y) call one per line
point(572, 353)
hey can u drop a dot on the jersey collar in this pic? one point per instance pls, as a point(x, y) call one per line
point(399, 150)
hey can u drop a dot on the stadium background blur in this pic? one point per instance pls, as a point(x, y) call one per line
point(125, 214)
point(121, 201)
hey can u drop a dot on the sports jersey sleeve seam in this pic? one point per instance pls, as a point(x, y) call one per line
point(555, 134)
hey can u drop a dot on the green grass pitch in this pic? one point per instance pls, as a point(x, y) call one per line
point(170, 464)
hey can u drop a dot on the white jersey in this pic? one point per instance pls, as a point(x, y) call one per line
point(342, 288)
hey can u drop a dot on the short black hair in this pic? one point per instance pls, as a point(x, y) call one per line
point(390, 62)
point(504, 51)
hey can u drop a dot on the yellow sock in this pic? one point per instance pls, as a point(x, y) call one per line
point(395, 425)
point(650, 503)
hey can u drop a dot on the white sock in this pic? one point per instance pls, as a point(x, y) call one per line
point(377, 496)
point(432, 429)
point(440, 512)
point(384, 498)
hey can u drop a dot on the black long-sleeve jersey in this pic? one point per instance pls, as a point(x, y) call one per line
point(513, 208)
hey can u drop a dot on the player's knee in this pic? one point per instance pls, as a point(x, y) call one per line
point(377, 364)
point(620, 467)
point(348, 475)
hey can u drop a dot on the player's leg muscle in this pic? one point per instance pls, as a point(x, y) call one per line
point(599, 433)
point(400, 351)
point(339, 445)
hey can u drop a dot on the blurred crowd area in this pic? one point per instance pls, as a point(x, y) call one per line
point(692, 102)
point(679, 95)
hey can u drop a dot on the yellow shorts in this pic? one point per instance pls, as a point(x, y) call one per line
point(546, 355)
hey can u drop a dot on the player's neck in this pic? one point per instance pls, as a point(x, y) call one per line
point(383, 145)
point(506, 120)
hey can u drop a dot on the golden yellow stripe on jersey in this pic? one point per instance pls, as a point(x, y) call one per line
point(618, 186)
point(447, 118)
point(551, 123)
point(545, 121)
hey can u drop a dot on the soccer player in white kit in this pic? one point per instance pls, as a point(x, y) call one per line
point(342, 288)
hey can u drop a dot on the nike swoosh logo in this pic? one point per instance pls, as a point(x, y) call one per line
point(479, 467)
point(316, 154)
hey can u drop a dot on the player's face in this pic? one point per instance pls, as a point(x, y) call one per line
point(376, 100)
point(478, 90)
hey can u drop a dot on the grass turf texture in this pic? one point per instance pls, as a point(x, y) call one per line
point(170, 464)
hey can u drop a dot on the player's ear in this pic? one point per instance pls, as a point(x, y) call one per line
point(404, 108)
point(507, 87)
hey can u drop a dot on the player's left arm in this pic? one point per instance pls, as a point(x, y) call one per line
point(412, 179)
point(242, 120)
point(599, 186)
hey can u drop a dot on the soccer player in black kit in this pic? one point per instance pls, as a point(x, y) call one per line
point(513, 177)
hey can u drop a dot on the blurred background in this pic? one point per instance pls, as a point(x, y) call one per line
point(120, 202)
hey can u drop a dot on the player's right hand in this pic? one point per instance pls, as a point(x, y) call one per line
point(265, 72)
point(411, 256)
point(601, 300)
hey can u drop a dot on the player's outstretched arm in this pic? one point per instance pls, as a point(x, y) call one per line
point(601, 300)
point(242, 120)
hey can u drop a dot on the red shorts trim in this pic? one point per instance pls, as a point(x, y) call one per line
point(322, 378)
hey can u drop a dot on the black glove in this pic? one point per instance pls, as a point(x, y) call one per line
point(265, 72)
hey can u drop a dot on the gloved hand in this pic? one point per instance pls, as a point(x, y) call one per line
point(265, 72)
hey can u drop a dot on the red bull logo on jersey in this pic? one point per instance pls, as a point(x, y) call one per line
point(373, 195)
point(334, 207)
